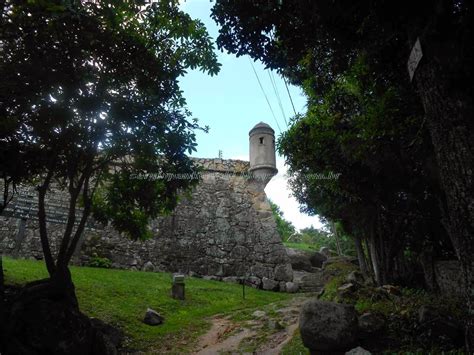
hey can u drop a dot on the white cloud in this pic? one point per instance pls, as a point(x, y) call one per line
point(278, 191)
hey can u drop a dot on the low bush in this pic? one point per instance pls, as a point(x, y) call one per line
point(102, 262)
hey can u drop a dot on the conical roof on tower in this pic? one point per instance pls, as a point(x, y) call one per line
point(261, 126)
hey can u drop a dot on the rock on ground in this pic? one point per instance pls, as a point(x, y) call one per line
point(358, 351)
point(149, 267)
point(51, 323)
point(325, 251)
point(355, 277)
point(152, 317)
point(299, 259)
point(284, 272)
point(108, 338)
point(347, 290)
point(258, 314)
point(328, 326)
point(269, 284)
point(291, 287)
point(370, 323)
point(437, 324)
point(317, 259)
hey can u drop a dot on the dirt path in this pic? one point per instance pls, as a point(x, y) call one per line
point(223, 336)
point(265, 331)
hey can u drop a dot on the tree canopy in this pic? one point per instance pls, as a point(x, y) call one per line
point(90, 99)
point(404, 148)
point(284, 227)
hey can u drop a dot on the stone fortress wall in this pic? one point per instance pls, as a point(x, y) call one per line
point(224, 229)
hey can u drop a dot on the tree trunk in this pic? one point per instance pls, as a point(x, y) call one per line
point(2, 306)
point(427, 263)
point(369, 259)
point(62, 284)
point(450, 119)
point(336, 237)
point(377, 253)
point(361, 256)
point(48, 258)
point(375, 259)
point(375, 264)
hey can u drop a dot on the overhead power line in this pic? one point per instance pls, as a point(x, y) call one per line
point(264, 94)
point(277, 94)
point(284, 80)
point(289, 95)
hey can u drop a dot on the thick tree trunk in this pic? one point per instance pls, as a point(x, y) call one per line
point(61, 282)
point(361, 256)
point(374, 256)
point(450, 119)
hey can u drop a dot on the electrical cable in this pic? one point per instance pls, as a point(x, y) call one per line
point(264, 94)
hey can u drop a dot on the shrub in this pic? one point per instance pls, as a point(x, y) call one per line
point(97, 261)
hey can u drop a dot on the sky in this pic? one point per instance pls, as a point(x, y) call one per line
point(232, 102)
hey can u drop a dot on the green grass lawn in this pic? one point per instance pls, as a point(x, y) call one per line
point(301, 246)
point(121, 297)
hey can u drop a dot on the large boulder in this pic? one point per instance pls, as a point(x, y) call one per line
point(325, 251)
point(328, 326)
point(291, 287)
point(269, 284)
point(370, 324)
point(317, 259)
point(436, 324)
point(373, 332)
point(284, 272)
point(299, 259)
point(42, 320)
point(107, 338)
point(148, 267)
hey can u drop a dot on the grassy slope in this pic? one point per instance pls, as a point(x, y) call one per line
point(301, 246)
point(295, 346)
point(121, 298)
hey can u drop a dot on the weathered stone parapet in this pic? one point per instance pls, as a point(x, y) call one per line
point(223, 165)
point(224, 228)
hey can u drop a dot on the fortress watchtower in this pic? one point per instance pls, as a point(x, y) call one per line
point(262, 152)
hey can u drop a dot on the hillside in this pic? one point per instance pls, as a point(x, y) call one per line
point(121, 298)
